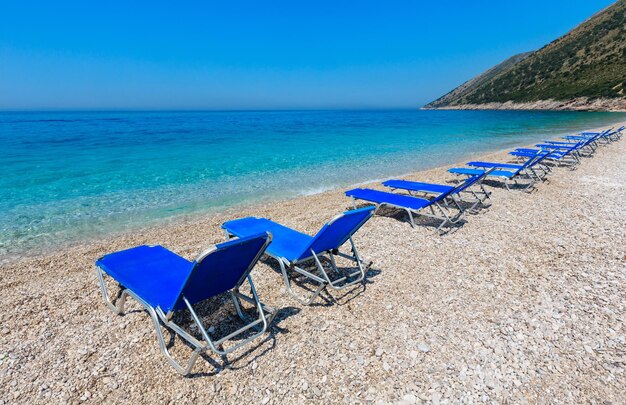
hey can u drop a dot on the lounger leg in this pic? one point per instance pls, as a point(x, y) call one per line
point(357, 258)
point(485, 192)
point(376, 208)
point(530, 184)
point(335, 283)
point(460, 208)
point(184, 370)
point(227, 234)
point(118, 307)
point(411, 218)
point(237, 296)
point(472, 209)
point(445, 218)
point(214, 345)
point(478, 202)
point(303, 300)
point(237, 305)
point(533, 174)
point(157, 316)
point(333, 263)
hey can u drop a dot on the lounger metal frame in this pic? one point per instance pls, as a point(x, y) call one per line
point(266, 314)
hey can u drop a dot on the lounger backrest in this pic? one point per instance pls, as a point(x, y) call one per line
point(539, 156)
point(222, 268)
point(337, 231)
point(578, 145)
point(593, 139)
point(543, 155)
point(471, 181)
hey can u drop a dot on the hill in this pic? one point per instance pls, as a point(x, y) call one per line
point(584, 69)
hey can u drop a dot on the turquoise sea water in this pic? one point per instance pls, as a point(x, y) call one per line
point(67, 175)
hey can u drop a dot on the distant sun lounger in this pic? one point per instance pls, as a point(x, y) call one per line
point(165, 283)
point(595, 139)
point(529, 172)
point(470, 191)
point(607, 136)
point(436, 208)
point(293, 249)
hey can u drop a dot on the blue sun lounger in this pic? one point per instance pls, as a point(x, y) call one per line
point(525, 171)
point(523, 154)
point(453, 194)
point(165, 283)
point(293, 249)
point(532, 165)
point(607, 136)
point(584, 147)
point(382, 198)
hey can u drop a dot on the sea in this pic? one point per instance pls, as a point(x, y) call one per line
point(69, 176)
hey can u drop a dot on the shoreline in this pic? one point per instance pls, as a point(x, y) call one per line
point(525, 300)
point(575, 104)
point(232, 212)
point(162, 225)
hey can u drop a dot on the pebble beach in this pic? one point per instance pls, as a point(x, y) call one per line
point(523, 303)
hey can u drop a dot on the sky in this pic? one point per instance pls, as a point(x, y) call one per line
point(262, 54)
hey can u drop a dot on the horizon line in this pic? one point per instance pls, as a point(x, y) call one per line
point(35, 110)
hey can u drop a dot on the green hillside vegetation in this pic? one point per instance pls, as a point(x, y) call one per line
point(469, 86)
point(589, 61)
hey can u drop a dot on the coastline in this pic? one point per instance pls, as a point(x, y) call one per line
point(436, 314)
point(576, 104)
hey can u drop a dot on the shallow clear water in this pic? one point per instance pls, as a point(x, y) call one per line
point(66, 175)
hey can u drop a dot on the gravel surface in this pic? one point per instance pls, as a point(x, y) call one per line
point(524, 303)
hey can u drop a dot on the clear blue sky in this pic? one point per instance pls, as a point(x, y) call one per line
point(262, 54)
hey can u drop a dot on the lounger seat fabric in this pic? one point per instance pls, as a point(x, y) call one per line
point(286, 242)
point(383, 197)
point(417, 186)
point(154, 273)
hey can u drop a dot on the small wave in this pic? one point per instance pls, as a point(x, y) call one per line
point(317, 190)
